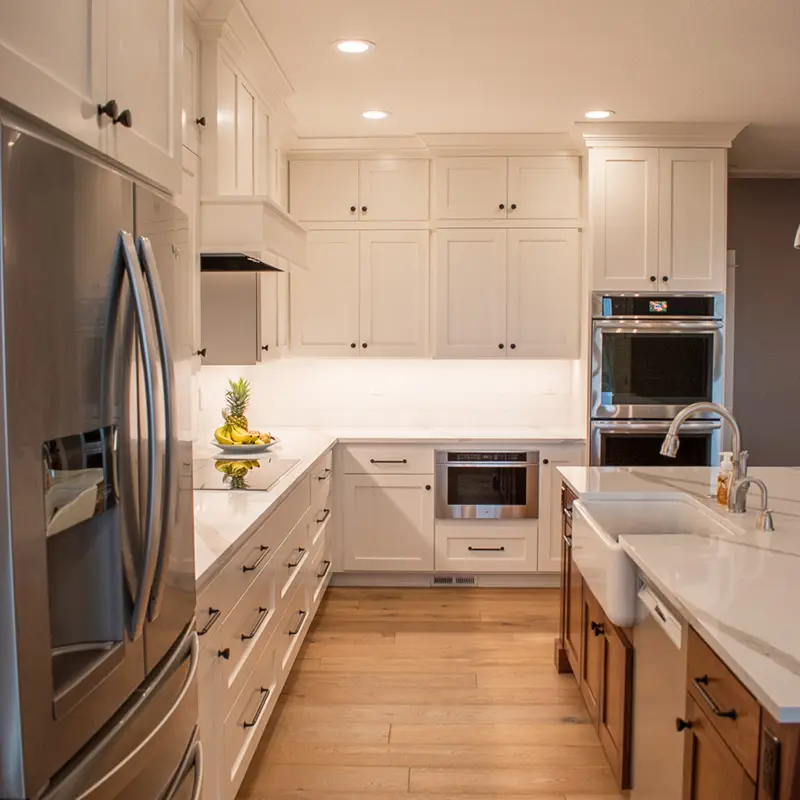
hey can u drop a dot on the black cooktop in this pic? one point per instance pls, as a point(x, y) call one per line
point(255, 474)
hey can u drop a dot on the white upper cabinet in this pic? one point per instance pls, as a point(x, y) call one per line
point(325, 299)
point(470, 315)
point(53, 63)
point(624, 212)
point(545, 188)
point(692, 219)
point(273, 311)
point(394, 293)
point(544, 270)
point(144, 60)
point(470, 188)
point(245, 114)
point(261, 150)
point(190, 88)
point(323, 191)
point(393, 190)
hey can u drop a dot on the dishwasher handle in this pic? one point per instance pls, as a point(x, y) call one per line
point(666, 620)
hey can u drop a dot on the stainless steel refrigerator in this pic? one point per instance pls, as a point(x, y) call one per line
point(98, 651)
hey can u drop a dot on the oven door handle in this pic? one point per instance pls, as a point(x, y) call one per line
point(492, 464)
point(624, 426)
point(660, 326)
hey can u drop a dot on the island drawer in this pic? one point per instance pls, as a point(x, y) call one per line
point(730, 708)
point(387, 459)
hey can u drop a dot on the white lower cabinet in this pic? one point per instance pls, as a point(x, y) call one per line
point(388, 523)
point(505, 546)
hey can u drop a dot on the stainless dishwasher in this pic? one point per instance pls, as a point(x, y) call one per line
point(659, 698)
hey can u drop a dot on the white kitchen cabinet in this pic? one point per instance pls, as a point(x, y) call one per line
point(388, 523)
point(553, 456)
point(393, 189)
point(393, 289)
point(323, 191)
point(190, 87)
point(143, 62)
point(260, 150)
point(545, 188)
point(692, 253)
point(470, 305)
point(245, 114)
point(470, 188)
point(544, 271)
point(325, 300)
point(229, 317)
point(273, 313)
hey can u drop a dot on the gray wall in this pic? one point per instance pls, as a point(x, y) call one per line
point(763, 215)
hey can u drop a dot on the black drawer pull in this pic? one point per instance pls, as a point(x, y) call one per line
point(388, 461)
point(260, 710)
point(325, 570)
point(260, 560)
point(682, 724)
point(598, 628)
point(263, 613)
point(700, 684)
point(226, 653)
point(326, 512)
point(302, 616)
point(299, 553)
point(486, 549)
point(215, 615)
point(325, 475)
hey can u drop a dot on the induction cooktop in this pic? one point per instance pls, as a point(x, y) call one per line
point(254, 474)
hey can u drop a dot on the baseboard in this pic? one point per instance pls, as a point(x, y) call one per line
point(544, 580)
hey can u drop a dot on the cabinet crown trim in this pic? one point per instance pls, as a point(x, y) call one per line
point(659, 134)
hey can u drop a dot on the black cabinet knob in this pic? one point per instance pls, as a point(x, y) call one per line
point(682, 724)
point(125, 119)
point(653, 278)
point(427, 487)
point(226, 653)
point(363, 209)
point(501, 347)
point(265, 348)
point(364, 345)
point(201, 353)
point(513, 346)
point(665, 278)
point(201, 121)
point(109, 109)
point(501, 206)
point(598, 628)
point(545, 461)
point(513, 206)
point(352, 209)
point(352, 344)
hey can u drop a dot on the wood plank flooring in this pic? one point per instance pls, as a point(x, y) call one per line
point(430, 694)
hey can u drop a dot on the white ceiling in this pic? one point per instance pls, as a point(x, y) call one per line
point(502, 66)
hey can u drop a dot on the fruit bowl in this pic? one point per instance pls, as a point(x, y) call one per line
point(238, 450)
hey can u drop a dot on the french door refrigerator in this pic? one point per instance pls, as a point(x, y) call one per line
point(98, 652)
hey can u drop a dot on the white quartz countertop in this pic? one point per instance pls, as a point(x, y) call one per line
point(740, 590)
point(433, 435)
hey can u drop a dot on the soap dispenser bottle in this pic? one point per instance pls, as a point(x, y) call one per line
point(724, 478)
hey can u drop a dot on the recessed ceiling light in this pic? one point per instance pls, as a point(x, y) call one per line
point(354, 46)
point(600, 114)
point(375, 114)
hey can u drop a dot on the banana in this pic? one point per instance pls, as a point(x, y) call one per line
point(239, 436)
point(223, 435)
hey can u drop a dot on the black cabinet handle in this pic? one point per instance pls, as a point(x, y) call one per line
point(202, 353)
point(653, 278)
point(545, 461)
point(260, 710)
point(215, 614)
point(665, 278)
point(325, 569)
point(682, 724)
point(513, 206)
point(262, 615)
point(296, 630)
point(486, 549)
point(352, 209)
point(598, 628)
point(265, 348)
point(293, 562)
point(427, 487)
point(388, 461)
point(513, 346)
point(352, 344)
point(257, 563)
point(501, 206)
point(327, 471)
point(364, 345)
point(326, 512)
point(226, 653)
point(201, 121)
point(125, 118)
point(568, 514)
point(109, 109)
point(501, 347)
point(700, 684)
point(363, 209)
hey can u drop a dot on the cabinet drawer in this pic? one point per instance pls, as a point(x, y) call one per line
point(733, 712)
point(319, 525)
point(388, 459)
point(320, 571)
point(291, 631)
point(321, 472)
point(291, 556)
point(487, 547)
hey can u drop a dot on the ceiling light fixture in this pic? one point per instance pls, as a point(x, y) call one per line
point(354, 46)
point(600, 114)
point(375, 114)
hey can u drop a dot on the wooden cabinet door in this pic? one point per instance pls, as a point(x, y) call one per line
point(573, 612)
point(190, 87)
point(388, 523)
point(623, 207)
point(144, 76)
point(324, 299)
point(53, 63)
point(323, 191)
point(710, 770)
point(546, 188)
point(692, 219)
point(543, 291)
point(393, 189)
point(229, 316)
point(470, 302)
point(470, 188)
point(592, 653)
point(394, 293)
point(550, 516)
point(616, 698)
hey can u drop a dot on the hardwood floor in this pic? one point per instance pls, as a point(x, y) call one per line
point(430, 694)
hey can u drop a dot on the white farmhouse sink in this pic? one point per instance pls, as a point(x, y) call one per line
point(596, 528)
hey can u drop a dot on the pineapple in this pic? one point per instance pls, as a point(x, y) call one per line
point(237, 482)
point(237, 398)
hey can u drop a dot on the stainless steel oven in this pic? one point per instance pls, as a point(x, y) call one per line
point(487, 485)
point(636, 443)
point(654, 354)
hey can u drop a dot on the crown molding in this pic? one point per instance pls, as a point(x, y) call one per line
point(766, 174)
point(310, 148)
point(509, 144)
point(659, 134)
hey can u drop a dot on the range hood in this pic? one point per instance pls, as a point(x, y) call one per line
point(236, 262)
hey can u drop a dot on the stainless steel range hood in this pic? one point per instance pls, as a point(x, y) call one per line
point(236, 262)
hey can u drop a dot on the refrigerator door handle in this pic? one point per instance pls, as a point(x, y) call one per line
point(192, 760)
point(156, 294)
point(126, 252)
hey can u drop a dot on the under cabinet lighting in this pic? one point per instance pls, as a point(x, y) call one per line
point(354, 46)
point(599, 114)
point(375, 114)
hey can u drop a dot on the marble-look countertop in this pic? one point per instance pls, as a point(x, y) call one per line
point(739, 589)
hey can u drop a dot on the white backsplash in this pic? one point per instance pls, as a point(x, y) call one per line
point(402, 392)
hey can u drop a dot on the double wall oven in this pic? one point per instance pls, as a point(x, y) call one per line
point(652, 355)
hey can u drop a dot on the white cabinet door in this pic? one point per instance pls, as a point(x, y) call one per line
point(545, 188)
point(394, 293)
point(393, 189)
point(323, 191)
point(245, 114)
point(470, 299)
point(144, 60)
point(623, 203)
point(470, 188)
point(190, 88)
point(260, 150)
point(268, 316)
point(283, 309)
point(325, 299)
point(53, 63)
point(692, 219)
point(388, 523)
point(556, 455)
point(544, 272)
point(188, 201)
point(229, 317)
point(227, 82)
